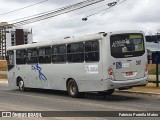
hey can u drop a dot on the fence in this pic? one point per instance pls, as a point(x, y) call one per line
point(155, 58)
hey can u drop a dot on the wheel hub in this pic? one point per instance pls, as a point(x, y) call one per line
point(21, 85)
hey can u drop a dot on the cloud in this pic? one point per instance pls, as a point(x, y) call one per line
point(131, 15)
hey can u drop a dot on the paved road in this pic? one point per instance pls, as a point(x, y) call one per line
point(47, 100)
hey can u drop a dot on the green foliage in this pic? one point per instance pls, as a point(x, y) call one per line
point(153, 72)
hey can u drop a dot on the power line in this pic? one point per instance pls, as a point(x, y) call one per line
point(111, 4)
point(49, 12)
point(58, 12)
point(28, 17)
point(24, 7)
point(70, 17)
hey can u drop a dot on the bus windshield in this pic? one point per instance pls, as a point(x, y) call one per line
point(127, 45)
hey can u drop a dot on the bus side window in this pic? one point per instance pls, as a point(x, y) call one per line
point(92, 51)
point(59, 54)
point(45, 55)
point(32, 55)
point(21, 57)
point(75, 52)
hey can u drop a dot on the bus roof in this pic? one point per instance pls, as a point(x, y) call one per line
point(91, 37)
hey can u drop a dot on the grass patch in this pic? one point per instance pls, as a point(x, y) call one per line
point(152, 69)
point(153, 72)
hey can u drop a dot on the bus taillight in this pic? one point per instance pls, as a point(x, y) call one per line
point(110, 71)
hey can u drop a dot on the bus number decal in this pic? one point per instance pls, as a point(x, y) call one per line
point(91, 69)
point(39, 69)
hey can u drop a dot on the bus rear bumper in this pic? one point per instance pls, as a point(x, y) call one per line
point(113, 84)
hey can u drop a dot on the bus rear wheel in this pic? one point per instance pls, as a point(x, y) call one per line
point(21, 85)
point(72, 88)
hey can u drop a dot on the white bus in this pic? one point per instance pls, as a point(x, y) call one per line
point(100, 63)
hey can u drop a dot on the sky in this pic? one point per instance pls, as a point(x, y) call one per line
point(130, 15)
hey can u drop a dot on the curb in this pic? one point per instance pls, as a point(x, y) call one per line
point(139, 92)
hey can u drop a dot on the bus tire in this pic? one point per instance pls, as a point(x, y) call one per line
point(21, 85)
point(108, 92)
point(72, 88)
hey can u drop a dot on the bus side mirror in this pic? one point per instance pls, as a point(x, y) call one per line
point(7, 57)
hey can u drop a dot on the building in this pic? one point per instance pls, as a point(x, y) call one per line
point(3, 27)
point(18, 37)
point(10, 36)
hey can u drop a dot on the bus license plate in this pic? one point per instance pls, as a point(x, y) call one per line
point(129, 73)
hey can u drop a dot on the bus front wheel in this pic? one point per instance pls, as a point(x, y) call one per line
point(72, 88)
point(21, 85)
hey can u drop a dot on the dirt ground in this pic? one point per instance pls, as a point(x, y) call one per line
point(152, 66)
point(3, 65)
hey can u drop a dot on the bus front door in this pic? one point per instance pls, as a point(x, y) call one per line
point(11, 68)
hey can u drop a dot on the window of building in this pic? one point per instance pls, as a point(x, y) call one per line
point(21, 56)
point(32, 55)
point(75, 52)
point(12, 35)
point(25, 39)
point(92, 51)
point(59, 54)
point(12, 39)
point(12, 43)
point(25, 36)
point(45, 55)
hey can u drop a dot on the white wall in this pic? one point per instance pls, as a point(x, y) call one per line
point(8, 40)
point(30, 38)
